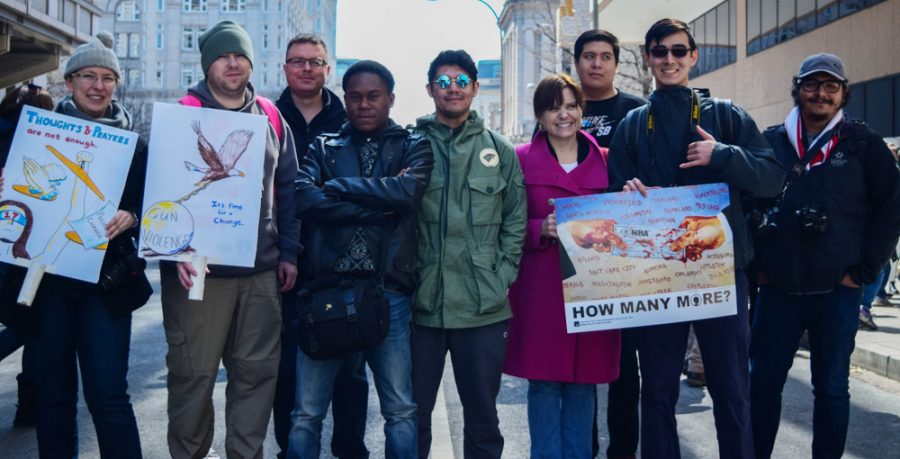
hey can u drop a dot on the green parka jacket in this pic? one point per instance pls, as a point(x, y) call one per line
point(471, 226)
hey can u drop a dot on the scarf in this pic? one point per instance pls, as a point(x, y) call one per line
point(794, 129)
point(116, 115)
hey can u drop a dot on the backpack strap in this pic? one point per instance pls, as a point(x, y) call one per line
point(723, 121)
point(267, 106)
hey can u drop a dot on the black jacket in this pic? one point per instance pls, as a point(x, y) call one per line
point(745, 162)
point(859, 188)
point(329, 120)
point(333, 199)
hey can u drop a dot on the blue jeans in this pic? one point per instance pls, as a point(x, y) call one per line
point(831, 320)
point(876, 288)
point(391, 366)
point(560, 419)
point(73, 323)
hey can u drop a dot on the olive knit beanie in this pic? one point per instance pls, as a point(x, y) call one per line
point(224, 37)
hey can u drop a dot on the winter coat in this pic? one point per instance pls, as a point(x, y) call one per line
point(745, 162)
point(858, 187)
point(538, 346)
point(327, 121)
point(334, 199)
point(471, 226)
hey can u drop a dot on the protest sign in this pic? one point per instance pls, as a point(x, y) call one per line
point(633, 261)
point(204, 186)
point(63, 181)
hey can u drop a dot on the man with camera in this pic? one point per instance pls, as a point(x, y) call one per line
point(828, 232)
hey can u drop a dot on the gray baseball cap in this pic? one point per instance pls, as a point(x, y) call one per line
point(823, 62)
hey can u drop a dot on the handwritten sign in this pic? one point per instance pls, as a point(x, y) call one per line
point(634, 261)
point(63, 181)
point(204, 190)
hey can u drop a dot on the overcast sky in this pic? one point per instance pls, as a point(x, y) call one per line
point(405, 35)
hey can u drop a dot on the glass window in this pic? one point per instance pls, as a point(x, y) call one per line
point(187, 38)
point(193, 6)
point(187, 75)
point(121, 44)
point(856, 105)
point(160, 36)
point(700, 38)
point(848, 7)
point(128, 11)
point(732, 22)
point(879, 105)
point(753, 21)
point(786, 29)
point(827, 11)
point(160, 5)
point(806, 15)
point(769, 22)
point(134, 44)
point(232, 6)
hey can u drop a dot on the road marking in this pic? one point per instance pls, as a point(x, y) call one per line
point(441, 442)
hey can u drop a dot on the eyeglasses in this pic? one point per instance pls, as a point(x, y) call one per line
point(812, 85)
point(300, 62)
point(660, 52)
point(91, 78)
point(462, 80)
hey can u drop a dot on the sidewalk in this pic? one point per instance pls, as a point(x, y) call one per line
point(879, 351)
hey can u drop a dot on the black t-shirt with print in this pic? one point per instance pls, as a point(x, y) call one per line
point(602, 116)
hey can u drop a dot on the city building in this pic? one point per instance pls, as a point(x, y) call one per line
point(157, 42)
point(36, 34)
point(750, 49)
point(487, 104)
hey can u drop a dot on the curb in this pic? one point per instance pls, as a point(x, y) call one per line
point(877, 359)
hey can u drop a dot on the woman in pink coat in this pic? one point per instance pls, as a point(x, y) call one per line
point(562, 369)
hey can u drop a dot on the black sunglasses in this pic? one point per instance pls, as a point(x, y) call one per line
point(661, 51)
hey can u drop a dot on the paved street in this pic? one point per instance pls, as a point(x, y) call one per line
point(874, 423)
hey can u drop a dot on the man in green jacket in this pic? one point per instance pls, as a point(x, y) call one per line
point(471, 225)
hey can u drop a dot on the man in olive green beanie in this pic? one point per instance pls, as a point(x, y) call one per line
point(224, 37)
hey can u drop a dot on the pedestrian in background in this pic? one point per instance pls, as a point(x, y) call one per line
point(562, 369)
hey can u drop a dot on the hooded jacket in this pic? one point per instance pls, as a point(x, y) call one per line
point(858, 187)
point(471, 226)
point(279, 231)
point(334, 199)
point(329, 120)
point(745, 162)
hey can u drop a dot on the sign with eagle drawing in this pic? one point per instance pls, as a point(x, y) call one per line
point(204, 186)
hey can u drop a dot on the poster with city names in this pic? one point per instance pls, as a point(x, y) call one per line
point(204, 185)
point(631, 261)
point(63, 181)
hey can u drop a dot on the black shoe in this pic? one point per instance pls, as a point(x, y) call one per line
point(25, 408)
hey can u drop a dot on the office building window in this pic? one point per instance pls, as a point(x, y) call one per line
point(877, 102)
point(716, 38)
point(160, 36)
point(160, 5)
point(128, 11)
point(232, 6)
point(193, 6)
point(190, 36)
point(770, 22)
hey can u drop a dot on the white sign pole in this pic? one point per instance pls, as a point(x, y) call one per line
point(31, 283)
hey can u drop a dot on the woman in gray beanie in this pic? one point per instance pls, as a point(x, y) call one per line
point(92, 322)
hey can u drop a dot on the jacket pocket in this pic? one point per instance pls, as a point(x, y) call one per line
point(491, 288)
point(486, 199)
point(430, 209)
point(429, 279)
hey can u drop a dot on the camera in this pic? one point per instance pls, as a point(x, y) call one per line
point(812, 219)
point(128, 263)
point(762, 221)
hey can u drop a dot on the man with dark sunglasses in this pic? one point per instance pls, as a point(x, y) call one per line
point(680, 138)
point(471, 230)
point(830, 232)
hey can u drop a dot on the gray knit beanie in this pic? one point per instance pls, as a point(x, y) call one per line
point(224, 37)
point(97, 52)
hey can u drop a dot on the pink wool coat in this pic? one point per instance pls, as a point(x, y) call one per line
point(538, 346)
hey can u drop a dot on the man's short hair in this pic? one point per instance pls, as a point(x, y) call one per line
point(549, 93)
point(457, 57)
point(596, 35)
point(665, 27)
point(372, 67)
point(310, 38)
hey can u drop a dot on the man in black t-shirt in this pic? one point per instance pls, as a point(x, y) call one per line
point(596, 62)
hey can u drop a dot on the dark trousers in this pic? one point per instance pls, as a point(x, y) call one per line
point(724, 342)
point(831, 320)
point(477, 355)
point(349, 404)
point(73, 325)
point(622, 417)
